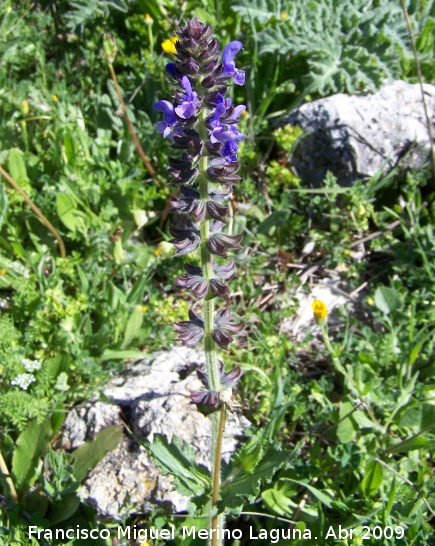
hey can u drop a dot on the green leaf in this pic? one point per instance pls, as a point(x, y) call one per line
point(3, 204)
point(122, 355)
point(391, 497)
point(277, 501)
point(411, 444)
point(17, 167)
point(30, 446)
point(258, 10)
point(347, 428)
point(177, 459)
point(135, 296)
point(57, 417)
point(134, 324)
point(373, 478)
point(324, 498)
point(387, 300)
point(68, 213)
point(63, 509)
point(90, 454)
point(276, 220)
point(239, 483)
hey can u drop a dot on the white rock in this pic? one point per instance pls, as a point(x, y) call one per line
point(356, 137)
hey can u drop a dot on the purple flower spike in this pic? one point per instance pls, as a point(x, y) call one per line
point(188, 107)
point(201, 122)
point(230, 70)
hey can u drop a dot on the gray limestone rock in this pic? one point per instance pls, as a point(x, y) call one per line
point(356, 137)
point(152, 397)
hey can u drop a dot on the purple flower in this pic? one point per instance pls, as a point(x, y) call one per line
point(225, 329)
point(219, 243)
point(188, 107)
point(200, 286)
point(229, 151)
point(224, 133)
point(171, 69)
point(185, 239)
point(230, 70)
point(169, 117)
point(207, 402)
point(190, 331)
point(227, 380)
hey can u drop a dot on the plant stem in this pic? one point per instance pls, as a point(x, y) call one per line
point(36, 210)
point(4, 470)
point(218, 421)
point(217, 518)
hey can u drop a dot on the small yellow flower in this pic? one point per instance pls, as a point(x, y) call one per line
point(320, 310)
point(284, 15)
point(144, 308)
point(54, 98)
point(168, 45)
point(158, 251)
point(370, 301)
point(25, 105)
point(148, 19)
point(2, 272)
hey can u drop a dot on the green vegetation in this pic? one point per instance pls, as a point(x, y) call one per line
point(326, 448)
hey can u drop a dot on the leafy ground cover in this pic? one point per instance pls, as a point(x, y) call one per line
point(351, 449)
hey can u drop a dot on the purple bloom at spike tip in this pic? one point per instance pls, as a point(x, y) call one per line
point(171, 69)
point(188, 107)
point(230, 70)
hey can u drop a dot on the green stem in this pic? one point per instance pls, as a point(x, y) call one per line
point(216, 519)
point(218, 420)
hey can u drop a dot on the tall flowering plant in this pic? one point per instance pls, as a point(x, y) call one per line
point(202, 122)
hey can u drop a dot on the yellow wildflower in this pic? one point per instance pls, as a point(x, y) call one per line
point(54, 98)
point(168, 45)
point(148, 19)
point(320, 310)
point(2, 272)
point(284, 15)
point(144, 308)
point(158, 251)
point(25, 105)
